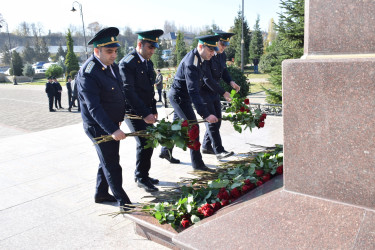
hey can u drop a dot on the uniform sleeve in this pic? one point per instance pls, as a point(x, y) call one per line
point(192, 80)
point(127, 72)
point(89, 93)
point(226, 76)
point(211, 83)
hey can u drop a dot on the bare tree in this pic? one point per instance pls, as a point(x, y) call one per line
point(94, 28)
point(1, 18)
point(24, 29)
point(169, 26)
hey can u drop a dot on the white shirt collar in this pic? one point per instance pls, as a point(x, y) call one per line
point(142, 59)
point(105, 66)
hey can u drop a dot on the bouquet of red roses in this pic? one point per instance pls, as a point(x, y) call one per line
point(242, 115)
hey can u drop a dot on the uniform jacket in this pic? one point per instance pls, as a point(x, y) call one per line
point(57, 87)
point(101, 95)
point(69, 87)
point(218, 70)
point(138, 85)
point(189, 79)
point(50, 89)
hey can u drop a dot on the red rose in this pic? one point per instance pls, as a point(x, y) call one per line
point(247, 110)
point(193, 132)
point(266, 177)
point(245, 188)
point(223, 189)
point(223, 195)
point(185, 223)
point(206, 210)
point(264, 116)
point(247, 101)
point(216, 206)
point(279, 169)
point(242, 109)
point(251, 186)
point(235, 193)
point(225, 203)
point(199, 210)
point(261, 125)
point(185, 124)
point(195, 145)
point(259, 183)
point(259, 172)
point(247, 182)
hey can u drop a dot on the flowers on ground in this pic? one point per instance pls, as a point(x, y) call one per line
point(198, 201)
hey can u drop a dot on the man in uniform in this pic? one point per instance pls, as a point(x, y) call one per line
point(211, 92)
point(101, 96)
point(138, 75)
point(50, 90)
point(185, 91)
point(159, 83)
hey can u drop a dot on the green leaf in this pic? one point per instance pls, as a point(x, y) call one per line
point(236, 184)
point(170, 216)
point(158, 215)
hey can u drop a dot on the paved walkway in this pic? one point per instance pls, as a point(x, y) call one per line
point(48, 168)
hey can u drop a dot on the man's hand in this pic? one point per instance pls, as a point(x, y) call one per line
point(211, 119)
point(150, 119)
point(118, 135)
point(227, 96)
point(156, 117)
point(235, 86)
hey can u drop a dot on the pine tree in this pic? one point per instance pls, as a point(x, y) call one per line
point(180, 48)
point(28, 54)
point(234, 49)
point(71, 60)
point(156, 57)
point(120, 54)
point(17, 66)
point(60, 52)
point(256, 45)
point(288, 44)
point(6, 54)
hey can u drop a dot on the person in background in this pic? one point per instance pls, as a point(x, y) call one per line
point(185, 91)
point(74, 97)
point(211, 92)
point(138, 75)
point(58, 91)
point(50, 90)
point(159, 83)
point(102, 102)
point(69, 89)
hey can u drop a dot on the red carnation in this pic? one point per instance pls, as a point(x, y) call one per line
point(206, 210)
point(247, 182)
point(185, 223)
point(242, 109)
point(266, 177)
point(216, 206)
point(195, 145)
point(259, 172)
point(235, 193)
point(247, 101)
point(259, 183)
point(185, 124)
point(261, 125)
point(225, 203)
point(193, 132)
point(279, 169)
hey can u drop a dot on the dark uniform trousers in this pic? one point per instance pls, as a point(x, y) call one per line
point(50, 101)
point(143, 155)
point(213, 105)
point(109, 167)
point(183, 109)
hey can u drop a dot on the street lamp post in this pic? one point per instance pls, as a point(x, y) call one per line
point(242, 39)
point(83, 24)
point(11, 59)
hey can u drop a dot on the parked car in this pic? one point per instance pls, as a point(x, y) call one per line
point(40, 71)
point(166, 54)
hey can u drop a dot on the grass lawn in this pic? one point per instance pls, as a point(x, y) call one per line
point(43, 81)
point(257, 86)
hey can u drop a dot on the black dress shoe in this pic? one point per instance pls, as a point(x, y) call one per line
point(207, 151)
point(152, 180)
point(69, 109)
point(171, 159)
point(147, 185)
point(203, 168)
point(224, 154)
point(52, 110)
point(105, 198)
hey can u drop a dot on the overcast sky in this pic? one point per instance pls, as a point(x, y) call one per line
point(55, 15)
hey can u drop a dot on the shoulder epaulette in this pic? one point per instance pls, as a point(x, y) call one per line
point(195, 61)
point(89, 67)
point(128, 58)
